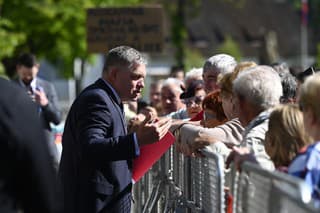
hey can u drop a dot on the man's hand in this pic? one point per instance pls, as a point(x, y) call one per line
point(41, 98)
point(238, 156)
point(134, 122)
point(152, 130)
point(32, 96)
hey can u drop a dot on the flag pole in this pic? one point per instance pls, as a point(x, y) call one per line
point(304, 33)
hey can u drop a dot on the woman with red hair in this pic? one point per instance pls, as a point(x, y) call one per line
point(213, 112)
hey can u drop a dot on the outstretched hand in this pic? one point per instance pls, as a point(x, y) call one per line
point(152, 129)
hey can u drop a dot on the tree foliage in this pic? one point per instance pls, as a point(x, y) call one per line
point(229, 46)
point(178, 11)
point(8, 41)
point(54, 29)
point(194, 59)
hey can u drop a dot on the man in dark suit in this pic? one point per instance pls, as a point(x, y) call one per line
point(97, 153)
point(43, 94)
point(27, 178)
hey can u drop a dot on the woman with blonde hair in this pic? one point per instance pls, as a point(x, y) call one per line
point(286, 135)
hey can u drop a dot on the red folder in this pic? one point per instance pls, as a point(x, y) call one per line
point(149, 154)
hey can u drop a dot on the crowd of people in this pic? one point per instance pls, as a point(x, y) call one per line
point(242, 110)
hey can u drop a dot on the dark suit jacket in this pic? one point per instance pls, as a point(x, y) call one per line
point(51, 112)
point(26, 173)
point(95, 167)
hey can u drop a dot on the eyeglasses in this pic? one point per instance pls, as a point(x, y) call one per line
point(194, 100)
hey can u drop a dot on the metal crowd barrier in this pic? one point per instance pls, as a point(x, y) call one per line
point(287, 201)
point(252, 189)
point(181, 184)
point(212, 182)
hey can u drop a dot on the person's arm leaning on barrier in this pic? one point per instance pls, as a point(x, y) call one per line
point(190, 138)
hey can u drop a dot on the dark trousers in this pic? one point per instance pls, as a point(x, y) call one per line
point(121, 206)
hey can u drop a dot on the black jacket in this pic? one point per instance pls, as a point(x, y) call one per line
point(27, 179)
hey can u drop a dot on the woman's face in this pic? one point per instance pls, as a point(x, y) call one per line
point(194, 104)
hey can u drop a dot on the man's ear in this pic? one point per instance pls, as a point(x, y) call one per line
point(113, 73)
point(241, 101)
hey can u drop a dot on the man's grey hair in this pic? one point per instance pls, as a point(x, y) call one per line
point(260, 86)
point(175, 82)
point(194, 73)
point(221, 63)
point(123, 56)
